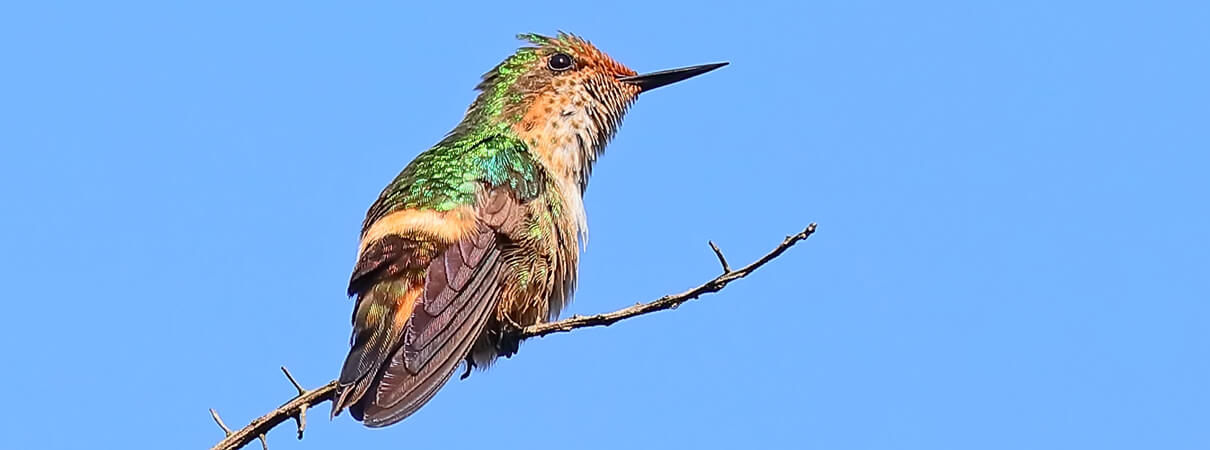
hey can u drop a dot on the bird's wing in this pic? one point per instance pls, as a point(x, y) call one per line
point(420, 308)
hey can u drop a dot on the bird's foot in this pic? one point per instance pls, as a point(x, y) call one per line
point(470, 364)
point(510, 338)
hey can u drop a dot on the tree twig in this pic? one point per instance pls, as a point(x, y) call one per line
point(667, 301)
point(721, 259)
point(291, 409)
point(297, 407)
point(219, 421)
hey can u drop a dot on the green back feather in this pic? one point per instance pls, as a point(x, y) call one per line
point(483, 147)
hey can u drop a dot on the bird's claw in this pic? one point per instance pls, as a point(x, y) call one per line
point(470, 364)
point(510, 338)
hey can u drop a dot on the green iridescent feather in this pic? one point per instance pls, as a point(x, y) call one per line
point(450, 174)
point(481, 149)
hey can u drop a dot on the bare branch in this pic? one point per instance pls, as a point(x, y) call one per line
point(301, 420)
point(261, 425)
point(286, 371)
point(297, 407)
point(219, 421)
point(667, 301)
point(721, 259)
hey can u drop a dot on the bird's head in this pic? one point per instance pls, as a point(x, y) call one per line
point(565, 98)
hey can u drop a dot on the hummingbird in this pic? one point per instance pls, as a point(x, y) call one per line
point(479, 236)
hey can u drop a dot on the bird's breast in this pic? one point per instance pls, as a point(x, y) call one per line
point(562, 137)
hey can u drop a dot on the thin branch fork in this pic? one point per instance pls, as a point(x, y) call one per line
point(668, 301)
point(297, 407)
point(721, 259)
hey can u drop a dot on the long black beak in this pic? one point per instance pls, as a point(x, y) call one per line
point(649, 81)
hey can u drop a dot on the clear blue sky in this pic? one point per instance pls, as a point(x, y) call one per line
point(1012, 202)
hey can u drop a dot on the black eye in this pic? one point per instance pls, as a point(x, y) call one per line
point(559, 62)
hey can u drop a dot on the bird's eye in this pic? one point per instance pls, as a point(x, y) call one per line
point(560, 62)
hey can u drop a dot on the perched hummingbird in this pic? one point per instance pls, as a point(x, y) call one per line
point(480, 235)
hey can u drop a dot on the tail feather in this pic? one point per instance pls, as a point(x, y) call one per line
point(378, 323)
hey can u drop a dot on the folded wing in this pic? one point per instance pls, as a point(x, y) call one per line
point(420, 310)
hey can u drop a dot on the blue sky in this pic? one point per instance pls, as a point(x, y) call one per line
point(1012, 249)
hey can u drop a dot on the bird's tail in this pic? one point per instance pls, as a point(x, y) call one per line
point(379, 319)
